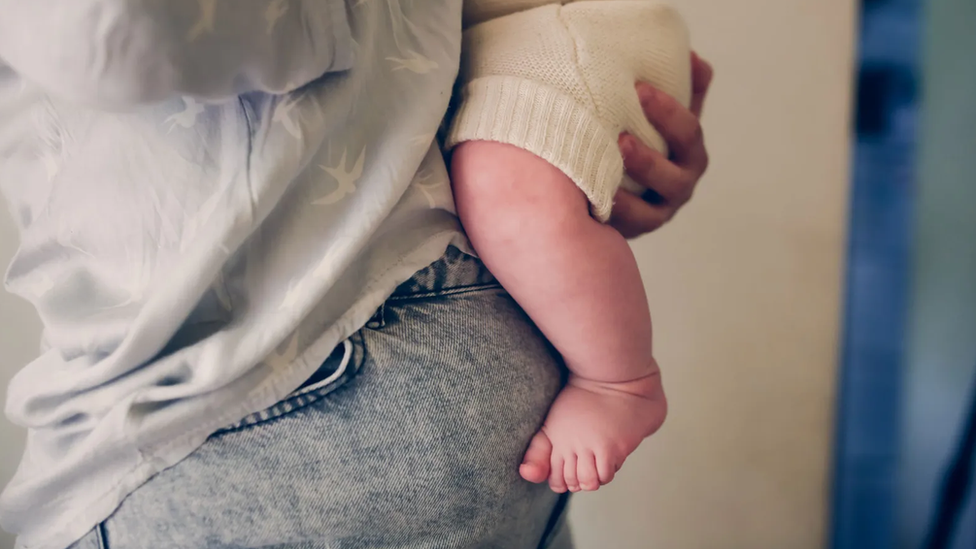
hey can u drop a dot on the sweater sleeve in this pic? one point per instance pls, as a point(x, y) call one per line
point(558, 81)
point(119, 53)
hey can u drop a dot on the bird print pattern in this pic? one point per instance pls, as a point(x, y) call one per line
point(280, 360)
point(286, 116)
point(414, 62)
point(268, 216)
point(187, 118)
point(276, 10)
point(345, 177)
point(205, 21)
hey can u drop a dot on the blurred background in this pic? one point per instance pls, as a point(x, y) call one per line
point(815, 305)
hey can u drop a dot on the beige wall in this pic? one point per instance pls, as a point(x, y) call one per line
point(19, 342)
point(745, 288)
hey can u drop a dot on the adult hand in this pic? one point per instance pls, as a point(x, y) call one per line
point(670, 181)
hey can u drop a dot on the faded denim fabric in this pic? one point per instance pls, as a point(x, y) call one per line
point(409, 437)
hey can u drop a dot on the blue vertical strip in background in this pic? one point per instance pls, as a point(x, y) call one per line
point(877, 286)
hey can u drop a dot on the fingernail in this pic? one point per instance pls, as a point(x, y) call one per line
point(627, 145)
point(646, 94)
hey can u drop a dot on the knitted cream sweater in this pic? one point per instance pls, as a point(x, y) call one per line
point(558, 81)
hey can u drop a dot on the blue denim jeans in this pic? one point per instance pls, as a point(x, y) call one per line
point(409, 436)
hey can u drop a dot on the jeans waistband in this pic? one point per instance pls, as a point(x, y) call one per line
point(455, 271)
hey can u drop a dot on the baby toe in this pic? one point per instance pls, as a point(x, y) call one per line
point(607, 467)
point(587, 473)
point(557, 479)
point(535, 464)
point(570, 474)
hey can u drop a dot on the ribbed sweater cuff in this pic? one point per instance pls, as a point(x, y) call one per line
point(547, 123)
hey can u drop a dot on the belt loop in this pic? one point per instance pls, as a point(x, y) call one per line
point(379, 319)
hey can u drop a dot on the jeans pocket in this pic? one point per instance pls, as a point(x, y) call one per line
point(338, 369)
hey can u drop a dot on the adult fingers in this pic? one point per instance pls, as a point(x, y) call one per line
point(679, 127)
point(701, 79)
point(632, 216)
point(671, 184)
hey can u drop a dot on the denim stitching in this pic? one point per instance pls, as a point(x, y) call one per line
point(349, 352)
point(457, 290)
point(101, 536)
point(378, 321)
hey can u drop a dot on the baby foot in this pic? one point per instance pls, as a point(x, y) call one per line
point(591, 429)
